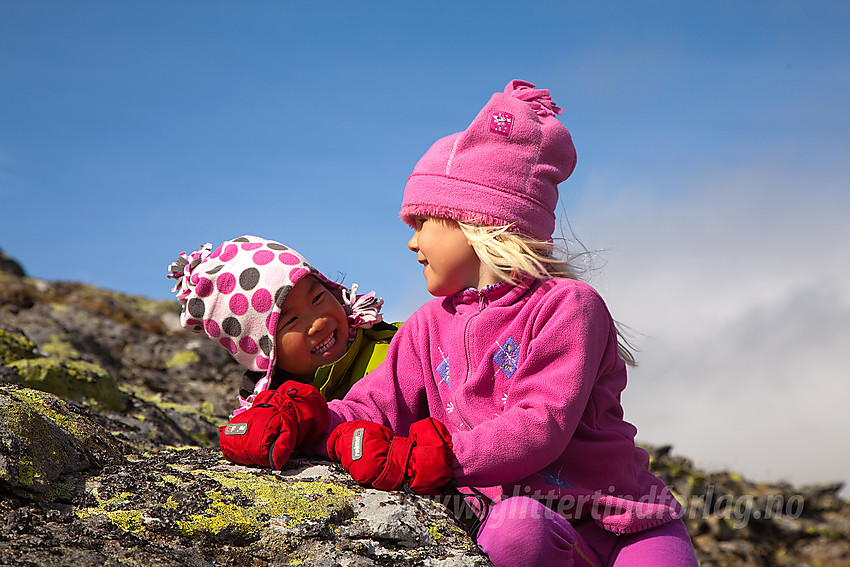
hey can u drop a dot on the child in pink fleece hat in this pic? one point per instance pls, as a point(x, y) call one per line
point(279, 317)
point(507, 385)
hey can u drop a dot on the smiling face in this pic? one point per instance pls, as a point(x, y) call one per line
point(449, 262)
point(312, 330)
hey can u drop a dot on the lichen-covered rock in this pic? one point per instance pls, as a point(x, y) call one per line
point(181, 367)
point(43, 439)
point(72, 380)
point(15, 345)
point(308, 514)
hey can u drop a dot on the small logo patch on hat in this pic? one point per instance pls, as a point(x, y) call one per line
point(236, 429)
point(501, 123)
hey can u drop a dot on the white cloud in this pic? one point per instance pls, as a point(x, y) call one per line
point(740, 287)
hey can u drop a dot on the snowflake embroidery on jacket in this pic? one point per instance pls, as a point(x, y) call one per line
point(507, 357)
point(443, 369)
point(553, 479)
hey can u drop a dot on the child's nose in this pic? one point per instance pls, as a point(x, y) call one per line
point(318, 324)
point(413, 243)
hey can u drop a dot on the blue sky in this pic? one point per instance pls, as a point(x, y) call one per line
point(712, 177)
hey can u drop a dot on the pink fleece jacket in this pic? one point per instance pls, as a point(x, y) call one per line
point(527, 379)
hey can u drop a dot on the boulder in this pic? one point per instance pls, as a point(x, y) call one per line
point(44, 440)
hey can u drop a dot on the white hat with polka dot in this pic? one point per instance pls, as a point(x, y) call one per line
point(234, 295)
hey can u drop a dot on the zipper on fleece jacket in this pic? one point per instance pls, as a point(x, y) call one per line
point(456, 402)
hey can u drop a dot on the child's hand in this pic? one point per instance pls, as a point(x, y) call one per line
point(277, 423)
point(430, 465)
point(374, 456)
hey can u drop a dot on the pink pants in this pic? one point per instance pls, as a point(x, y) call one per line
point(521, 531)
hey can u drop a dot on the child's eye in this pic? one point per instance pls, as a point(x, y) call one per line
point(289, 322)
point(318, 297)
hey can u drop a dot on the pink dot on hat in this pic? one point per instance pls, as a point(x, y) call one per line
point(263, 257)
point(217, 251)
point(228, 343)
point(229, 252)
point(239, 304)
point(261, 300)
point(247, 344)
point(204, 287)
point(226, 282)
point(251, 245)
point(212, 328)
point(288, 259)
point(263, 362)
point(271, 322)
point(297, 274)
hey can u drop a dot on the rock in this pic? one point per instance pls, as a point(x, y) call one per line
point(192, 502)
point(43, 440)
point(72, 380)
point(15, 345)
point(10, 266)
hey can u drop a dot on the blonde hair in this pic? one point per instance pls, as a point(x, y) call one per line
point(510, 256)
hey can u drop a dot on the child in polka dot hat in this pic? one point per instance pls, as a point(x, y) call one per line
point(279, 317)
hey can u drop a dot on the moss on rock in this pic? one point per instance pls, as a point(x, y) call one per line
point(75, 380)
point(15, 346)
point(59, 348)
point(43, 439)
point(209, 503)
point(181, 358)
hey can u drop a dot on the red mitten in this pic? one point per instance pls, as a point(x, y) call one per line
point(430, 464)
point(264, 434)
point(374, 456)
point(311, 410)
point(277, 422)
point(370, 453)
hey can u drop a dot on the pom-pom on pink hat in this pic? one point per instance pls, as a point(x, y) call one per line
point(504, 169)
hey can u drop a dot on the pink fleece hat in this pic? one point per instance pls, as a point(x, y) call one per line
point(234, 295)
point(504, 169)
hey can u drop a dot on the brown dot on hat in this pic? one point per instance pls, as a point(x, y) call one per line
point(249, 278)
point(266, 344)
point(196, 307)
point(280, 295)
point(241, 239)
point(276, 246)
point(216, 270)
point(231, 326)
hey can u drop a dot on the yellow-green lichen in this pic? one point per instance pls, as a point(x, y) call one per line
point(127, 520)
point(181, 358)
point(71, 379)
point(207, 408)
point(14, 346)
point(59, 348)
point(27, 472)
point(45, 431)
point(294, 502)
point(243, 503)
